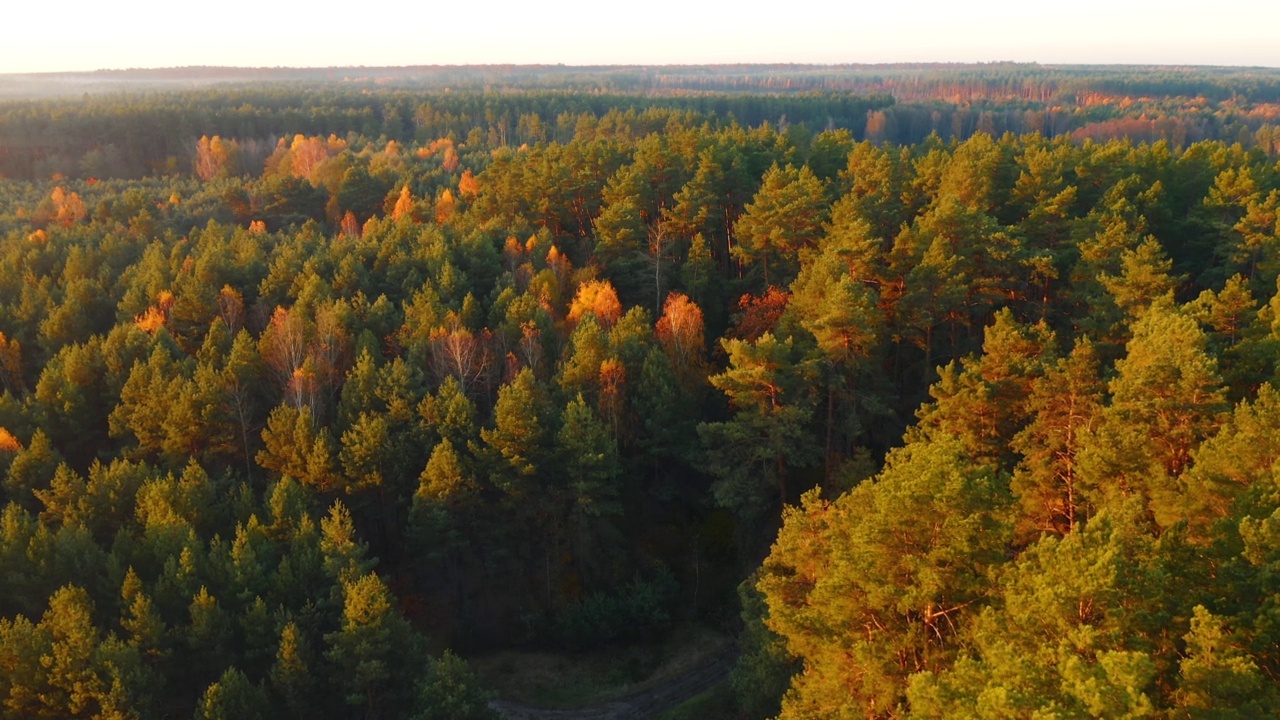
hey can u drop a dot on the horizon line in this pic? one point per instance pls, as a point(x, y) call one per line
point(618, 66)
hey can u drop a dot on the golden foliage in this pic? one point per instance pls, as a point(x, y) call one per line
point(512, 253)
point(231, 307)
point(9, 443)
point(39, 237)
point(404, 204)
point(613, 381)
point(436, 146)
point(303, 387)
point(680, 331)
point(681, 323)
point(613, 374)
point(216, 157)
point(559, 263)
point(451, 159)
point(446, 207)
point(157, 315)
point(468, 185)
point(305, 155)
point(598, 298)
point(150, 321)
point(350, 226)
point(457, 352)
point(69, 209)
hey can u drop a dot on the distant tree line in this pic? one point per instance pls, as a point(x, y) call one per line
point(135, 134)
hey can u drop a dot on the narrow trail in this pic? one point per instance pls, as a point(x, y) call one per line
point(646, 702)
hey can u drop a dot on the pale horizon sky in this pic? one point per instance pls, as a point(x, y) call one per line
point(81, 35)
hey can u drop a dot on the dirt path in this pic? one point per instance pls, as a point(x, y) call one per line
point(644, 703)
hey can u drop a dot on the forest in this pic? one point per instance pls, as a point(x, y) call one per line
point(955, 401)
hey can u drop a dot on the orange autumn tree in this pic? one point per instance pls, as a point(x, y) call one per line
point(350, 226)
point(304, 155)
point(557, 262)
point(434, 147)
point(231, 308)
point(613, 394)
point(468, 185)
point(9, 443)
point(68, 208)
point(461, 354)
point(758, 314)
point(598, 298)
point(451, 159)
point(446, 207)
point(513, 254)
point(216, 157)
point(307, 354)
point(404, 204)
point(680, 331)
point(156, 315)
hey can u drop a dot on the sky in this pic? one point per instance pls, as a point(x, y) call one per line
point(76, 35)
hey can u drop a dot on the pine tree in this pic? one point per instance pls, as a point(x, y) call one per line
point(1166, 399)
point(1082, 630)
point(1218, 678)
point(783, 219)
point(232, 697)
point(144, 629)
point(291, 675)
point(344, 556)
point(1064, 404)
point(768, 433)
point(372, 651)
point(879, 584)
point(450, 691)
point(519, 436)
point(591, 473)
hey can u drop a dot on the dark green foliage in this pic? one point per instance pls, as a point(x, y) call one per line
point(764, 669)
point(638, 610)
point(374, 651)
point(232, 697)
point(752, 454)
point(450, 692)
